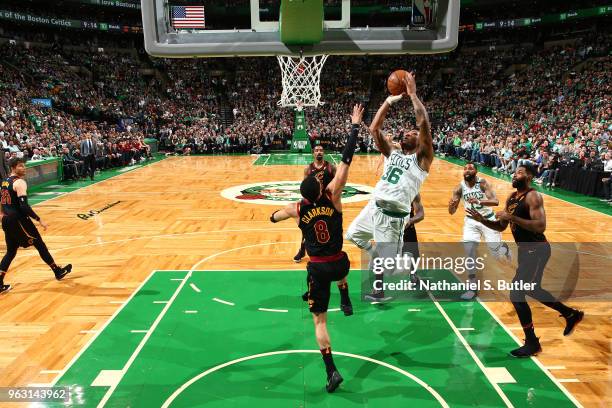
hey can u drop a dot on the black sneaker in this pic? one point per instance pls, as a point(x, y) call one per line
point(377, 296)
point(531, 348)
point(305, 297)
point(347, 309)
point(572, 321)
point(333, 381)
point(59, 275)
point(5, 288)
point(301, 254)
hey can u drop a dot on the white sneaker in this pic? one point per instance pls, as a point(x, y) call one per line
point(469, 295)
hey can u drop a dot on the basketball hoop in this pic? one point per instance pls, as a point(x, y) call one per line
point(301, 78)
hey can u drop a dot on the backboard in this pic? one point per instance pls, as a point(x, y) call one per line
point(253, 28)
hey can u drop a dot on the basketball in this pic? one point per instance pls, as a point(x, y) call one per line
point(395, 82)
point(303, 136)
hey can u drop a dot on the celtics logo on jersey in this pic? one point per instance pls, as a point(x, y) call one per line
point(282, 192)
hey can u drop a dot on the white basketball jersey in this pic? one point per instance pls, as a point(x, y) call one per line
point(476, 192)
point(400, 182)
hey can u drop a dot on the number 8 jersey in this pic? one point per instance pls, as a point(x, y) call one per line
point(321, 225)
point(400, 182)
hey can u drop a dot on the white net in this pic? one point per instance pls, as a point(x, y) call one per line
point(301, 80)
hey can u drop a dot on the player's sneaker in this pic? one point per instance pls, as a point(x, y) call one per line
point(469, 295)
point(333, 381)
point(301, 254)
point(530, 348)
point(60, 273)
point(347, 309)
point(377, 296)
point(572, 321)
point(305, 296)
point(5, 288)
point(507, 252)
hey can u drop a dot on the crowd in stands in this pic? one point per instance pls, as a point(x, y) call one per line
point(554, 112)
point(547, 105)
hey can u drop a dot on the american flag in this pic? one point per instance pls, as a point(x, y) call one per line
point(188, 17)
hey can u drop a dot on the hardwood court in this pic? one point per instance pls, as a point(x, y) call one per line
point(171, 216)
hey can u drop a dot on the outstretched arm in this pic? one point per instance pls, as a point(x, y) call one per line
point(290, 211)
point(425, 152)
point(339, 181)
point(497, 225)
point(383, 145)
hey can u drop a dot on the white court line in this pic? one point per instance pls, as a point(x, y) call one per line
point(535, 360)
point(160, 302)
point(138, 331)
point(337, 309)
point(414, 310)
point(93, 338)
point(268, 158)
point(263, 309)
point(465, 328)
point(194, 287)
point(225, 302)
point(159, 318)
point(191, 311)
point(198, 377)
point(472, 353)
point(178, 279)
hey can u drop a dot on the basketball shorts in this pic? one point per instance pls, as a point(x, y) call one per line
point(373, 224)
point(320, 276)
point(474, 231)
point(532, 259)
point(19, 231)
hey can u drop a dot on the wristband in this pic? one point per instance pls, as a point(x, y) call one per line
point(272, 217)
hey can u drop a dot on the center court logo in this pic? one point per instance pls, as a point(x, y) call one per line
point(282, 192)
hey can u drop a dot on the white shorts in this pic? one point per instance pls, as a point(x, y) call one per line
point(474, 231)
point(372, 224)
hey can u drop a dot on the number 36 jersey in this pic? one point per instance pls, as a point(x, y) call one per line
point(321, 225)
point(400, 182)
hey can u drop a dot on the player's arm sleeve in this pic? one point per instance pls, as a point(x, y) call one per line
point(27, 210)
point(351, 144)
